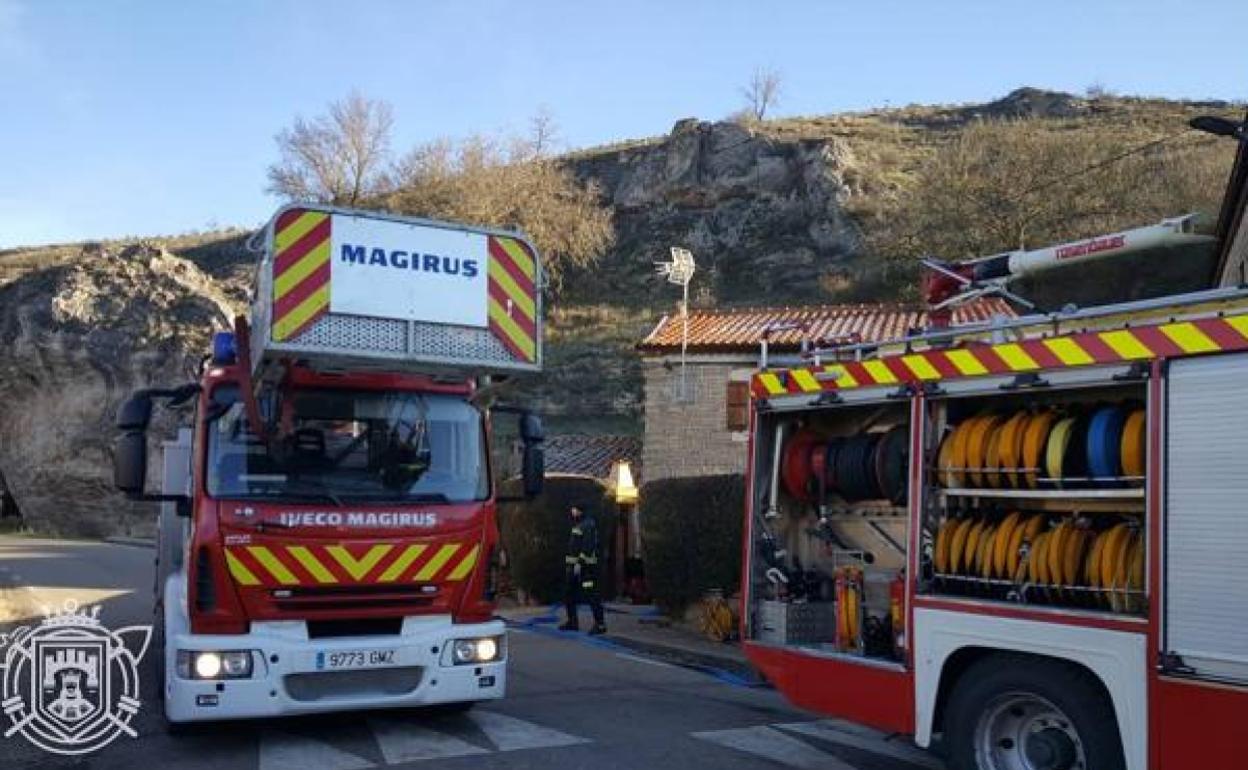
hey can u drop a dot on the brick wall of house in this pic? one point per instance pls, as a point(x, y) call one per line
point(689, 437)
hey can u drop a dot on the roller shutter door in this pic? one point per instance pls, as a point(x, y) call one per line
point(1206, 555)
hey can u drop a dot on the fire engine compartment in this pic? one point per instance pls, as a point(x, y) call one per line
point(1032, 492)
point(1035, 495)
point(830, 528)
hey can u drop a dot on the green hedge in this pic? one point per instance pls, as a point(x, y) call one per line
point(691, 531)
point(535, 534)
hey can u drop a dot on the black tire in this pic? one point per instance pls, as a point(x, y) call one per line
point(992, 682)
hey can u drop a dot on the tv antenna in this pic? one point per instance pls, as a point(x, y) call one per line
point(680, 272)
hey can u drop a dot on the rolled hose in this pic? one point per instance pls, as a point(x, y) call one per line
point(1035, 438)
point(892, 460)
point(1105, 442)
point(977, 448)
point(795, 467)
point(1010, 448)
point(1132, 449)
point(862, 467)
point(1055, 449)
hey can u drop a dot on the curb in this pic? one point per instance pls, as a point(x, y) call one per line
point(137, 542)
point(724, 667)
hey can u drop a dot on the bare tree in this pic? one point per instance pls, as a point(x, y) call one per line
point(1001, 185)
point(762, 93)
point(336, 158)
point(543, 132)
point(507, 182)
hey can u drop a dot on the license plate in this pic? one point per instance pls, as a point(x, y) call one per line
point(336, 660)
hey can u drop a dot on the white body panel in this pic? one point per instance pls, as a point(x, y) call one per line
point(266, 693)
point(402, 270)
point(1118, 658)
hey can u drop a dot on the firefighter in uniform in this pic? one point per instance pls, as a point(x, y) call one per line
point(581, 572)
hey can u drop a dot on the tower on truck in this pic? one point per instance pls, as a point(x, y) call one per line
point(1025, 536)
point(328, 531)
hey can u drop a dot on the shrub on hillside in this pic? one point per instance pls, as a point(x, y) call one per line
point(535, 533)
point(691, 529)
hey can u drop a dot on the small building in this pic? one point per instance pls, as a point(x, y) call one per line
point(696, 415)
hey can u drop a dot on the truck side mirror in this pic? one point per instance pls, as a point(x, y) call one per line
point(130, 462)
point(534, 471)
point(135, 413)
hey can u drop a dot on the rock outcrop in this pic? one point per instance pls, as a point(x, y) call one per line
point(77, 338)
point(762, 215)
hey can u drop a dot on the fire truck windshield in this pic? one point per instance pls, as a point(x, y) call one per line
point(348, 446)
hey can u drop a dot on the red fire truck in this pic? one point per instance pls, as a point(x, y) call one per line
point(1026, 538)
point(327, 535)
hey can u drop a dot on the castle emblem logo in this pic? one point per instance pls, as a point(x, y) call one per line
point(71, 686)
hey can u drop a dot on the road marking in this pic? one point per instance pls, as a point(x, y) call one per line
point(769, 743)
point(509, 734)
point(858, 737)
point(408, 742)
point(281, 751)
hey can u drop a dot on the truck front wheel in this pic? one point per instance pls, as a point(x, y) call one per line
point(1010, 712)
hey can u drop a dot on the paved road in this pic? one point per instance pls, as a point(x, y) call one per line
point(570, 704)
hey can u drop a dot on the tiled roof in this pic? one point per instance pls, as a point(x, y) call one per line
point(584, 455)
point(742, 330)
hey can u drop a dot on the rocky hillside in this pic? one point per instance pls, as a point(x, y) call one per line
point(777, 212)
point(78, 338)
point(765, 215)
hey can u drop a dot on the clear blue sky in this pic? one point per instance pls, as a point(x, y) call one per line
point(155, 117)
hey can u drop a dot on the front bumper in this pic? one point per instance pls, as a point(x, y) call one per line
point(288, 674)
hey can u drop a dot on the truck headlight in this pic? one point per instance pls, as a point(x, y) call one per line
point(226, 664)
point(485, 649)
point(207, 665)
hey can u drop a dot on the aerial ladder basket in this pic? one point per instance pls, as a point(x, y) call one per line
point(343, 290)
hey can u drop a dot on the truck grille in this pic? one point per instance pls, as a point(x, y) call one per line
point(319, 686)
point(351, 597)
point(330, 629)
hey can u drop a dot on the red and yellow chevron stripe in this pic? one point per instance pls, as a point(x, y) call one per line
point(1135, 343)
point(513, 296)
point(301, 246)
point(351, 563)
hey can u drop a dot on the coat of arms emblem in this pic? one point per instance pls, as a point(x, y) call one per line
point(70, 685)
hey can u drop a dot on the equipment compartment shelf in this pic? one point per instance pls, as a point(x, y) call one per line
point(1068, 501)
point(1049, 494)
point(865, 510)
